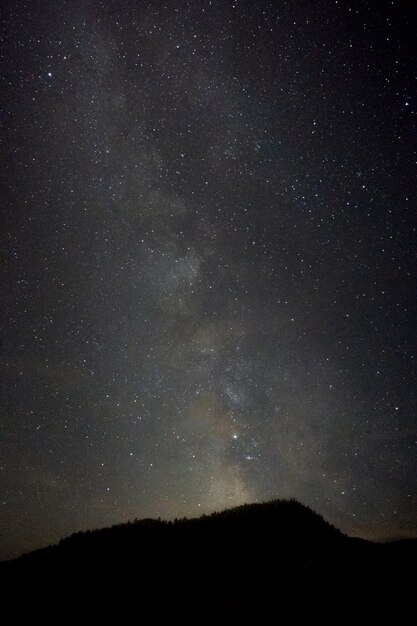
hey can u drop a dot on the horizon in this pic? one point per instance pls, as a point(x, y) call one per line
point(174, 519)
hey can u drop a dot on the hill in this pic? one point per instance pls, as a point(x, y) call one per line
point(277, 562)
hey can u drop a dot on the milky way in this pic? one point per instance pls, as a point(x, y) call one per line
point(208, 262)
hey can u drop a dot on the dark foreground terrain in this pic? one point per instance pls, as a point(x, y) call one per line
point(274, 563)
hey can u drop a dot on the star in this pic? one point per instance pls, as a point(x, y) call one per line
point(208, 242)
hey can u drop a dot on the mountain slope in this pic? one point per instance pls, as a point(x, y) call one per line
point(285, 529)
point(270, 563)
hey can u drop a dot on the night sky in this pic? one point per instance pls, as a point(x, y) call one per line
point(208, 262)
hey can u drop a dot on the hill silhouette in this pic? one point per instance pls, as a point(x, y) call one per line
point(276, 562)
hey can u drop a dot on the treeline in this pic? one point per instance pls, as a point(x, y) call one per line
point(283, 529)
point(276, 562)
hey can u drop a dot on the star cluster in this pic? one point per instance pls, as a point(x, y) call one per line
point(208, 262)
